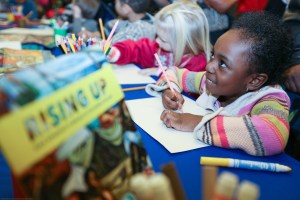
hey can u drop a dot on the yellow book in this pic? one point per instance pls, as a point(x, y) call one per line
point(66, 130)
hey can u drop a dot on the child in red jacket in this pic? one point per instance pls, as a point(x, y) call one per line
point(182, 40)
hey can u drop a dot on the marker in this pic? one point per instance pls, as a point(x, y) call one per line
point(245, 164)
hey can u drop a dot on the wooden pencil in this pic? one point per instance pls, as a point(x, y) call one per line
point(101, 29)
point(134, 88)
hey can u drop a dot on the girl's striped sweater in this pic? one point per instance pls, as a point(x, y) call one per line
point(257, 122)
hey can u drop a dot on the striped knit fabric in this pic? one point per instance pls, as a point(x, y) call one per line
point(256, 122)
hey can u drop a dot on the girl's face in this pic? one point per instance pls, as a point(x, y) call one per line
point(228, 70)
point(163, 39)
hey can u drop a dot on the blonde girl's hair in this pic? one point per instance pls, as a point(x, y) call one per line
point(188, 28)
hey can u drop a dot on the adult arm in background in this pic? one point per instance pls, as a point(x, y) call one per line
point(222, 6)
point(291, 19)
point(292, 82)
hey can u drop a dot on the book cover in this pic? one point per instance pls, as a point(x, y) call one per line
point(16, 59)
point(45, 40)
point(66, 131)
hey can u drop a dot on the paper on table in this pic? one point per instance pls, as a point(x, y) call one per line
point(174, 141)
point(128, 74)
point(28, 31)
point(11, 44)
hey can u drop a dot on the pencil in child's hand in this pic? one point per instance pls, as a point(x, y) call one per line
point(107, 49)
point(111, 34)
point(164, 73)
point(101, 29)
point(168, 81)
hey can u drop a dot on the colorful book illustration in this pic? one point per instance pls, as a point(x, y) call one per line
point(43, 37)
point(66, 131)
point(15, 59)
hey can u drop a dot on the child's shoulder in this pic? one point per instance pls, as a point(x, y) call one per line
point(148, 18)
point(271, 93)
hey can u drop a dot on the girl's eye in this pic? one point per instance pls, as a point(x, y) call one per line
point(212, 55)
point(222, 64)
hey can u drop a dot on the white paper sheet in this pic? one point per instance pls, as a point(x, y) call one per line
point(28, 31)
point(128, 74)
point(146, 113)
point(11, 44)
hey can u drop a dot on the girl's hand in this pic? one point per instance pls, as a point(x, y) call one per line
point(114, 53)
point(180, 121)
point(173, 101)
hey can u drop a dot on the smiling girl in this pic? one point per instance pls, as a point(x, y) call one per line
point(241, 105)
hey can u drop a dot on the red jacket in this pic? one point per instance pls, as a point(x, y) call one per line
point(251, 5)
point(141, 52)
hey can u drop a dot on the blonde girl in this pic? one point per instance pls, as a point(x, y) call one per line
point(182, 40)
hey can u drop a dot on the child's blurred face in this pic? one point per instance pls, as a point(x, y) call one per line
point(163, 39)
point(227, 71)
point(20, 1)
point(119, 8)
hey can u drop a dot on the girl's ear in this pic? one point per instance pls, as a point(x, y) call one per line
point(257, 80)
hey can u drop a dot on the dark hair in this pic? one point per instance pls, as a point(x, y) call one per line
point(271, 45)
point(294, 5)
point(138, 6)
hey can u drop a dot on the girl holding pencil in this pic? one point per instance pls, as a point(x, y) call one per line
point(182, 40)
point(241, 104)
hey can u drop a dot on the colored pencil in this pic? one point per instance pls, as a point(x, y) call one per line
point(101, 29)
point(134, 88)
point(164, 73)
point(111, 34)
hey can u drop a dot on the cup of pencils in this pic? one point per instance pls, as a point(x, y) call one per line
point(59, 33)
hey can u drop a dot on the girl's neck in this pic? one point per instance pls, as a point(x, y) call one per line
point(135, 17)
point(224, 102)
